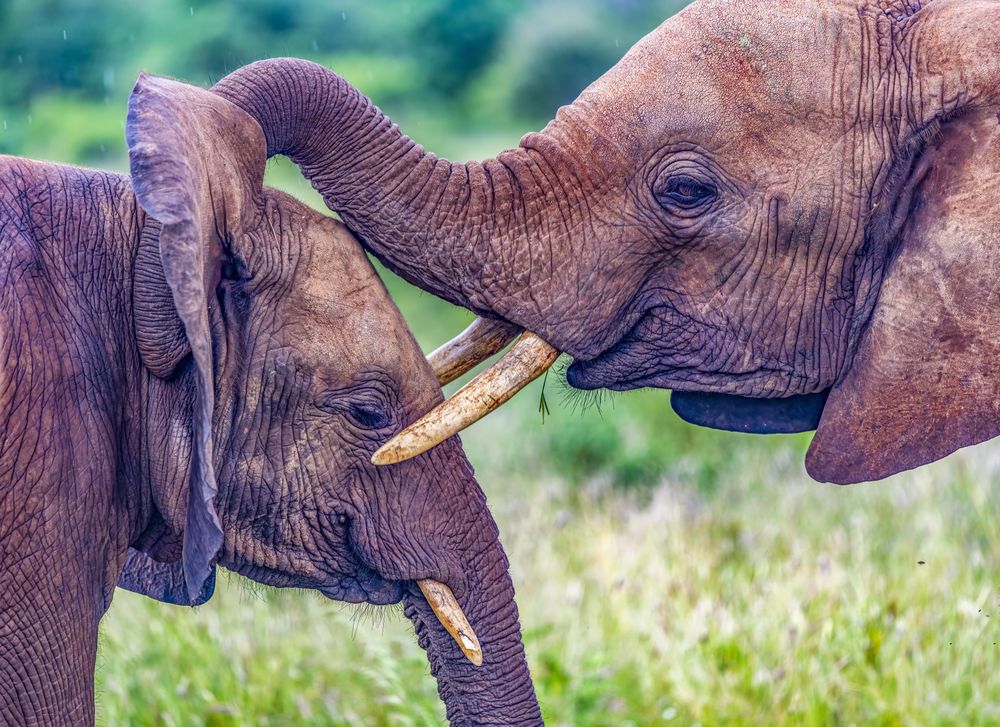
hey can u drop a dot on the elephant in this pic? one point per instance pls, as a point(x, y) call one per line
point(196, 370)
point(785, 212)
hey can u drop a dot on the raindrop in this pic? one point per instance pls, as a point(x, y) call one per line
point(343, 16)
point(64, 35)
point(315, 46)
point(191, 10)
point(617, 43)
point(5, 124)
point(29, 119)
point(109, 77)
point(20, 60)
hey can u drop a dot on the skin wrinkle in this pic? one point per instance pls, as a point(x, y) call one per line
point(289, 358)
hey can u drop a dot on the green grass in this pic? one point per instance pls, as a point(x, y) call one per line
point(666, 574)
point(768, 600)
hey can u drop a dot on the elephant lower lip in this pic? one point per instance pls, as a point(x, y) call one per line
point(729, 412)
point(789, 415)
point(360, 595)
point(368, 588)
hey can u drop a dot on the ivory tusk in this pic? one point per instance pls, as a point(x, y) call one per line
point(470, 348)
point(442, 601)
point(527, 359)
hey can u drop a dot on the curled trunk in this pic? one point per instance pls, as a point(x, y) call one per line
point(499, 692)
point(460, 231)
point(428, 519)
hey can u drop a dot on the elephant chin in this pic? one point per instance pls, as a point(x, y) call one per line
point(789, 415)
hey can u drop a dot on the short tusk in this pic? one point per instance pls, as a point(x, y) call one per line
point(449, 613)
point(527, 359)
point(470, 348)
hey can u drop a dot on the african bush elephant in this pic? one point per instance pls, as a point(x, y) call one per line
point(785, 211)
point(198, 368)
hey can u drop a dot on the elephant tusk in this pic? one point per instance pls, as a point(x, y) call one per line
point(527, 359)
point(449, 613)
point(470, 348)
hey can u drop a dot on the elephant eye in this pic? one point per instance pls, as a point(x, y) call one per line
point(685, 193)
point(369, 416)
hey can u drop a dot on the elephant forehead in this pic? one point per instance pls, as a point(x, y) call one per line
point(715, 73)
point(342, 315)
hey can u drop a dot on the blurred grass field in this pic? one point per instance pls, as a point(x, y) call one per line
point(728, 590)
point(666, 575)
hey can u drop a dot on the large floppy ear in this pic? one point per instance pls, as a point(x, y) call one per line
point(196, 163)
point(925, 378)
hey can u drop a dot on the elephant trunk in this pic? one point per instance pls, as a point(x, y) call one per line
point(499, 692)
point(475, 234)
point(429, 520)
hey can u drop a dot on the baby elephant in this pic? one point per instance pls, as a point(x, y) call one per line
point(196, 370)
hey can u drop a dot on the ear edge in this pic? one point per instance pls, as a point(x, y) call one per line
point(171, 183)
point(922, 383)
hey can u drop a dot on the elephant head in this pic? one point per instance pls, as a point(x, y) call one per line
point(279, 363)
point(785, 212)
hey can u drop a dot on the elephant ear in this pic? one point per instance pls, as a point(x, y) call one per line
point(925, 378)
point(197, 162)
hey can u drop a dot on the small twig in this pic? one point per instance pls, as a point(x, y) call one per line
point(543, 405)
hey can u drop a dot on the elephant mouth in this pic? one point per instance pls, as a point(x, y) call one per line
point(366, 586)
point(747, 404)
point(728, 412)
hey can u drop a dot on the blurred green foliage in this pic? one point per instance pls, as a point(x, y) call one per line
point(451, 65)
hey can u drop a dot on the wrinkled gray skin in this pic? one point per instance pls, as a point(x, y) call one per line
point(196, 370)
point(719, 214)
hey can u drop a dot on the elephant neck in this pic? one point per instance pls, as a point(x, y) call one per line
point(469, 233)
